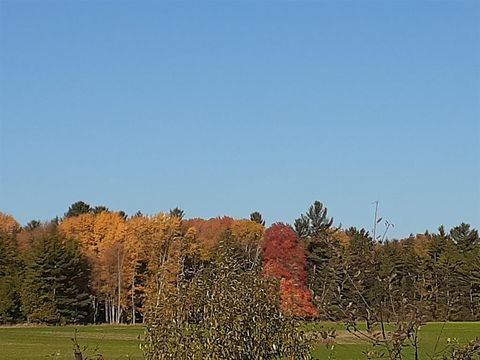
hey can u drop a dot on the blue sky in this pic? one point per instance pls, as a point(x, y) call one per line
point(228, 107)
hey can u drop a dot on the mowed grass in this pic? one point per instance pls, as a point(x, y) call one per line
point(433, 339)
point(122, 342)
point(54, 342)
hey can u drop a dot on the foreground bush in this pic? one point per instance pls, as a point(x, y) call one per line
point(226, 311)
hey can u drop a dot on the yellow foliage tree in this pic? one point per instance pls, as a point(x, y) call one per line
point(168, 249)
point(102, 237)
point(422, 245)
point(340, 236)
point(81, 228)
point(8, 224)
point(249, 235)
point(156, 248)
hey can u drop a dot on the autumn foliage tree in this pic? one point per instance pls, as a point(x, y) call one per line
point(8, 224)
point(172, 248)
point(152, 243)
point(133, 261)
point(209, 233)
point(102, 237)
point(248, 236)
point(284, 260)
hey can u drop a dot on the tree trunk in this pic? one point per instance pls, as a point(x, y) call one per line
point(106, 311)
point(133, 297)
point(119, 286)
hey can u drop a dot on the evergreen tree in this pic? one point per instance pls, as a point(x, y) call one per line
point(465, 239)
point(467, 244)
point(433, 268)
point(122, 214)
point(453, 286)
point(361, 270)
point(32, 225)
point(177, 212)
point(78, 208)
point(322, 252)
point(55, 289)
point(9, 279)
point(99, 209)
point(257, 217)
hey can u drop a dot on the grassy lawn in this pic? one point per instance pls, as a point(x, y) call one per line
point(351, 348)
point(122, 342)
point(54, 342)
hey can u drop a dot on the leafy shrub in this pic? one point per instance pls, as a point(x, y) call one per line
point(226, 311)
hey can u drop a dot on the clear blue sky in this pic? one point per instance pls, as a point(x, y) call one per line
point(228, 107)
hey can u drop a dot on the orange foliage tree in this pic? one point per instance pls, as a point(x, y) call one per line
point(208, 233)
point(8, 224)
point(284, 259)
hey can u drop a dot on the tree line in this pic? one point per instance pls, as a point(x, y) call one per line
point(94, 265)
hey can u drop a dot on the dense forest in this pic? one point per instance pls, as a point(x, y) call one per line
point(94, 265)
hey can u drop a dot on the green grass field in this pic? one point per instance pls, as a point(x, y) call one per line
point(122, 342)
point(432, 339)
point(54, 342)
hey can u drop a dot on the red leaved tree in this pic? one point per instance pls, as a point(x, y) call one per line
point(284, 259)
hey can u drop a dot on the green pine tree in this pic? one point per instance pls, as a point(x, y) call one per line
point(257, 217)
point(467, 243)
point(55, 289)
point(324, 257)
point(10, 276)
point(78, 208)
